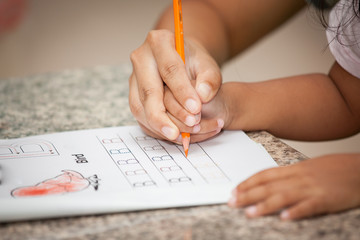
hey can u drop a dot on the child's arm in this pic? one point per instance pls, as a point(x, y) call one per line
point(308, 107)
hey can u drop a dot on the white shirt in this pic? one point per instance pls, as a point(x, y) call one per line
point(344, 42)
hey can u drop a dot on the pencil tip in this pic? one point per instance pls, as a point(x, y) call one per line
point(186, 142)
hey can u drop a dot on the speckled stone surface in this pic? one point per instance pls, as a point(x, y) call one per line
point(96, 98)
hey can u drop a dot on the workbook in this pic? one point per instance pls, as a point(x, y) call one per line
point(120, 169)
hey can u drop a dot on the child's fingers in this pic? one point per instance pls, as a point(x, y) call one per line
point(208, 79)
point(201, 137)
point(176, 110)
point(210, 125)
point(182, 127)
point(274, 203)
point(261, 193)
point(262, 177)
point(198, 137)
point(258, 193)
point(187, 122)
point(253, 195)
point(207, 74)
point(306, 208)
point(199, 132)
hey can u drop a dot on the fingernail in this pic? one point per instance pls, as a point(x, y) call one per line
point(251, 211)
point(191, 105)
point(220, 123)
point(204, 91)
point(232, 201)
point(169, 132)
point(285, 215)
point(190, 121)
point(196, 128)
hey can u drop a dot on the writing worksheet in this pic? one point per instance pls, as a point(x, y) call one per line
point(120, 169)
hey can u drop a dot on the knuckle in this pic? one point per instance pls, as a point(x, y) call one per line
point(169, 70)
point(180, 114)
point(269, 189)
point(154, 37)
point(145, 93)
point(308, 180)
point(284, 197)
point(135, 55)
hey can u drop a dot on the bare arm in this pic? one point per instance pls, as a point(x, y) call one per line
point(227, 27)
point(308, 107)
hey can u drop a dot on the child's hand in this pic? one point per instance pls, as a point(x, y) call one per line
point(215, 115)
point(156, 63)
point(321, 185)
point(212, 117)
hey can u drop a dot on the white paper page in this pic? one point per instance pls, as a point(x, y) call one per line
point(120, 169)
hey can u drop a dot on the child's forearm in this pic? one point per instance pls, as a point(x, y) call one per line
point(225, 28)
point(308, 107)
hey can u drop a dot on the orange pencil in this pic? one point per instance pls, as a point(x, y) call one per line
point(179, 44)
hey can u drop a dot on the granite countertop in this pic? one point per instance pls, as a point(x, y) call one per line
point(97, 98)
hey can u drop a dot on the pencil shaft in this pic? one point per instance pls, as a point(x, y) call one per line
point(179, 33)
point(179, 45)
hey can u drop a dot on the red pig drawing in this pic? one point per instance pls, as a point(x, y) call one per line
point(68, 181)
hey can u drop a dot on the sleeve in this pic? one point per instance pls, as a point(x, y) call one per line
point(343, 35)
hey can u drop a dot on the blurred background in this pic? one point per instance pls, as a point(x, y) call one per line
point(39, 36)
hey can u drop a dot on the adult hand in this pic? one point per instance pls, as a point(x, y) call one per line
point(156, 63)
point(321, 185)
